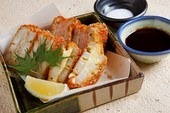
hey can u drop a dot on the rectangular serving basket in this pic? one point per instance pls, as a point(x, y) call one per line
point(81, 101)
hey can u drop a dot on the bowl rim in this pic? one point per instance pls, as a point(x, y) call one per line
point(136, 20)
point(116, 19)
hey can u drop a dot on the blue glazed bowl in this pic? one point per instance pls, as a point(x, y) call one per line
point(131, 26)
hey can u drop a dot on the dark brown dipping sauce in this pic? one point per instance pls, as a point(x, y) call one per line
point(149, 40)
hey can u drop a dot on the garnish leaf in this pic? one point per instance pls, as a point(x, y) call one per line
point(30, 63)
point(25, 65)
point(54, 57)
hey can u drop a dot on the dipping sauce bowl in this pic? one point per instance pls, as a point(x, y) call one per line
point(146, 38)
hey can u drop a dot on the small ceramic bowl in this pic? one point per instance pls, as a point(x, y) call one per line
point(146, 22)
point(117, 12)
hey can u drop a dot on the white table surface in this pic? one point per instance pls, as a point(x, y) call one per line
point(154, 96)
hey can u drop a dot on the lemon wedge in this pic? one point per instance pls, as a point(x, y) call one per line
point(43, 89)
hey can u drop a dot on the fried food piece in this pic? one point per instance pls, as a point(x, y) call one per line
point(19, 43)
point(91, 40)
point(88, 68)
point(82, 34)
point(100, 30)
point(60, 73)
point(30, 37)
point(63, 27)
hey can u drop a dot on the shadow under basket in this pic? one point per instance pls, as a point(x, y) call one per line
point(81, 101)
